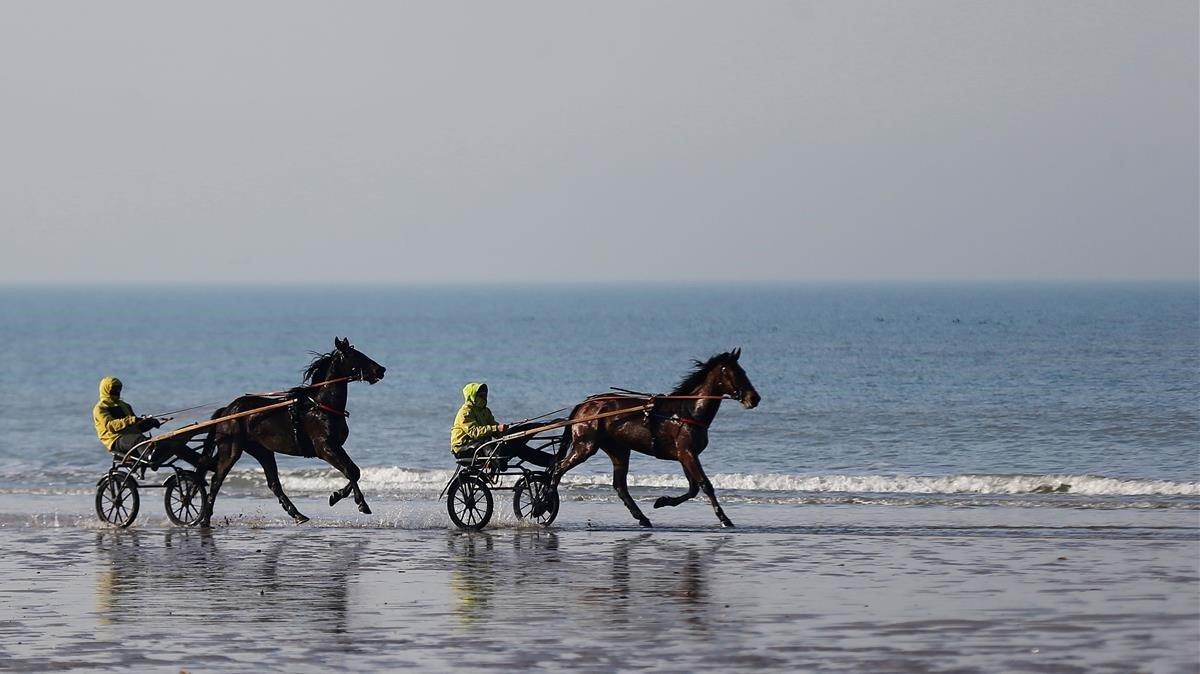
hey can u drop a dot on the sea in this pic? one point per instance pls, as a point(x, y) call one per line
point(981, 395)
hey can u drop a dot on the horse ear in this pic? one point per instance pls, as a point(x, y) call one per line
point(736, 353)
point(340, 343)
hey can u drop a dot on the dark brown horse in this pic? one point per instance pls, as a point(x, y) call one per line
point(674, 430)
point(315, 426)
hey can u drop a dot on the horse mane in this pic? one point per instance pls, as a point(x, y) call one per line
point(693, 379)
point(319, 365)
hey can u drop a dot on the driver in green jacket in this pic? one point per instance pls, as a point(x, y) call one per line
point(475, 423)
point(120, 430)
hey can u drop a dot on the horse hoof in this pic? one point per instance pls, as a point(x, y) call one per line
point(645, 523)
point(300, 519)
point(334, 498)
point(727, 524)
point(661, 501)
point(364, 509)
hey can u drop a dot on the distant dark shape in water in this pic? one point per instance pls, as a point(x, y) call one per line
point(675, 430)
point(1062, 488)
point(314, 427)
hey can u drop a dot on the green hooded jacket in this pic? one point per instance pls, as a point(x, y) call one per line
point(473, 422)
point(111, 415)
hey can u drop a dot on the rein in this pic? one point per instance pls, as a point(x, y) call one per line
point(626, 394)
point(647, 396)
point(170, 415)
point(327, 382)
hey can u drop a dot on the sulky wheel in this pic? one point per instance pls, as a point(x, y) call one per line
point(469, 503)
point(185, 498)
point(531, 491)
point(117, 499)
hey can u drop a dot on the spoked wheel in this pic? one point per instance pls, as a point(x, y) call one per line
point(469, 503)
point(117, 500)
point(185, 498)
point(533, 491)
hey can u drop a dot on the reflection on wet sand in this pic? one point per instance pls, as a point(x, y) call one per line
point(672, 575)
point(471, 580)
point(132, 562)
point(234, 600)
point(297, 579)
point(478, 569)
point(529, 569)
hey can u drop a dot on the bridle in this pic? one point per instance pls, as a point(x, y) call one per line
point(356, 372)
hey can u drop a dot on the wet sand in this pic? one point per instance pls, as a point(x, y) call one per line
point(858, 595)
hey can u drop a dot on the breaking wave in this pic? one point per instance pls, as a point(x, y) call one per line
point(1057, 490)
point(400, 479)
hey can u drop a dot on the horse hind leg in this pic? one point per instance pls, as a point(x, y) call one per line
point(266, 459)
point(227, 454)
point(620, 460)
point(581, 450)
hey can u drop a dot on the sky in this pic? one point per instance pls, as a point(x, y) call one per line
point(561, 141)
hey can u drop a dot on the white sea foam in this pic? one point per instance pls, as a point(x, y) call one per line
point(397, 478)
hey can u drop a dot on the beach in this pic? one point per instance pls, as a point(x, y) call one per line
point(988, 478)
point(874, 589)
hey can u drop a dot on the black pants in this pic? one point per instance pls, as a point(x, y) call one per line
point(163, 451)
point(519, 449)
point(513, 448)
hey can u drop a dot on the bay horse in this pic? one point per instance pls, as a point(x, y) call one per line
point(315, 426)
point(673, 430)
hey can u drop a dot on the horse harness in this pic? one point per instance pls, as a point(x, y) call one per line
point(674, 417)
point(303, 404)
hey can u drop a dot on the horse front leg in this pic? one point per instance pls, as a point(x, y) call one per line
point(696, 476)
point(337, 457)
point(672, 501)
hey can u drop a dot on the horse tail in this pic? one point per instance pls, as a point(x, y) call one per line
point(564, 444)
point(209, 449)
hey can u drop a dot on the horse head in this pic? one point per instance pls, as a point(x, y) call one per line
point(731, 379)
point(350, 362)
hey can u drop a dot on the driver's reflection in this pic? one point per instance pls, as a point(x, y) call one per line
point(133, 562)
point(471, 577)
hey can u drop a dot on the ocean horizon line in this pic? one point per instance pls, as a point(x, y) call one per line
point(585, 284)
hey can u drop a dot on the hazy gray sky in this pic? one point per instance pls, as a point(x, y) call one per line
point(434, 141)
